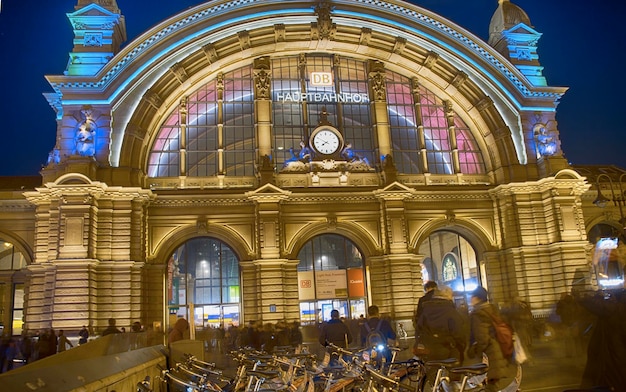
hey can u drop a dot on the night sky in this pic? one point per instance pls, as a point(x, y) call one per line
point(582, 48)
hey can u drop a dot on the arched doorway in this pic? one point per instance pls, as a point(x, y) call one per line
point(451, 260)
point(331, 275)
point(203, 283)
point(608, 255)
point(12, 286)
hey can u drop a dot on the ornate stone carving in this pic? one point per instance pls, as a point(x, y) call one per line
point(378, 86)
point(324, 23)
point(399, 45)
point(484, 104)
point(85, 137)
point(366, 35)
point(450, 217)
point(210, 53)
point(545, 142)
point(459, 79)
point(449, 109)
point(415, 86)
point(262, 84)
point(262, 78)
point(302, 62)
point(202, 226)
point(92, 39)
point(279, 32)
point(430, 60)
point(331, 222)
point(220, 85)
point(179, 71)
point(153, 98)
point(244, 40)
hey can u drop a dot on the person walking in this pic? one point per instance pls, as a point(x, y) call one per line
point(335, 331)
point(377, 325)
point(111, 329)
point(442, 331)
point(429, 291)
point(178, 332)
point(83, 335)
point(606, 353)
point(483, 340)
point(52, 342)
point(63, 342)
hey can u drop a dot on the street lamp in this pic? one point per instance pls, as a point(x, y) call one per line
point(609, 270)
point(618, 200)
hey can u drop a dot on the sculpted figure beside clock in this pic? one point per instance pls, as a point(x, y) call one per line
point(349, 155)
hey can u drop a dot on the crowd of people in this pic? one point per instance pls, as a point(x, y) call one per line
point(588, 325)
point(35, 345)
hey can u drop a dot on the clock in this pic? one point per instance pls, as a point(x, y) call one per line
point(326, 140)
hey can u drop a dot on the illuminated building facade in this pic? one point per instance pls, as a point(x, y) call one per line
point(268, 160)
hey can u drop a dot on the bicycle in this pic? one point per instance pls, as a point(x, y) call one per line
point(144, 385)
point(472, 377)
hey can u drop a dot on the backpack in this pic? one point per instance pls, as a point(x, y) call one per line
point(374, 336)
point(504, 335)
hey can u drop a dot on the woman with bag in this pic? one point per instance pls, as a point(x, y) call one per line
point(483, 339)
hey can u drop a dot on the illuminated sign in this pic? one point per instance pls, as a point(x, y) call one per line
point(321, 79)
point(322, 97)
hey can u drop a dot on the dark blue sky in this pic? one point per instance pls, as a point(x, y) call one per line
point(581, 48)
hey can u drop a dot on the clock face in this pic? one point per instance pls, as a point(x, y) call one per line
point(326, 142)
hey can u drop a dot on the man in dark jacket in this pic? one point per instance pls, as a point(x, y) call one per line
point(441, 327)
point(381, 326)
point(374, 321)
point(429, 290)
point(335, 331)
point(606, 354)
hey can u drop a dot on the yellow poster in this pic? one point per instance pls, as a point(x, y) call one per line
point(331, 284)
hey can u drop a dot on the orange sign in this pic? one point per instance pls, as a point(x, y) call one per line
point(356, 284)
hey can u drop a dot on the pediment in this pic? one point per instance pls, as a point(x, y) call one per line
point(397, 187)
point(268, 191)
point(522, 28)
point(92, 10)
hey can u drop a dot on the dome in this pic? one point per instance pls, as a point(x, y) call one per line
point(506, 16)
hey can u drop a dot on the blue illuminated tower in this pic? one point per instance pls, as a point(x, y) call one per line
point(99, 31)
point(511, 34)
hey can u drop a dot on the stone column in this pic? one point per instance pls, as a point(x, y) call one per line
point(84, 271)
point(263, 105)
point(397, 281)
point(378, 94)
point(544, 244)
point(271, 290)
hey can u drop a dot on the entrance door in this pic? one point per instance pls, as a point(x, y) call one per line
point(203, 284)
point(330, 276)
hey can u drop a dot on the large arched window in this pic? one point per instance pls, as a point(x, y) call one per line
point(203, 273)
point(330, 276)
point(299, 98)
point(450, 260)
point(211, 132)
point(419, 125)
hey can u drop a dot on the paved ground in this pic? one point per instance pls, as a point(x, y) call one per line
point(551, 369)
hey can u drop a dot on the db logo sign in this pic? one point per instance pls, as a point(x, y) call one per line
point(321, 79)
point(305, 284)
